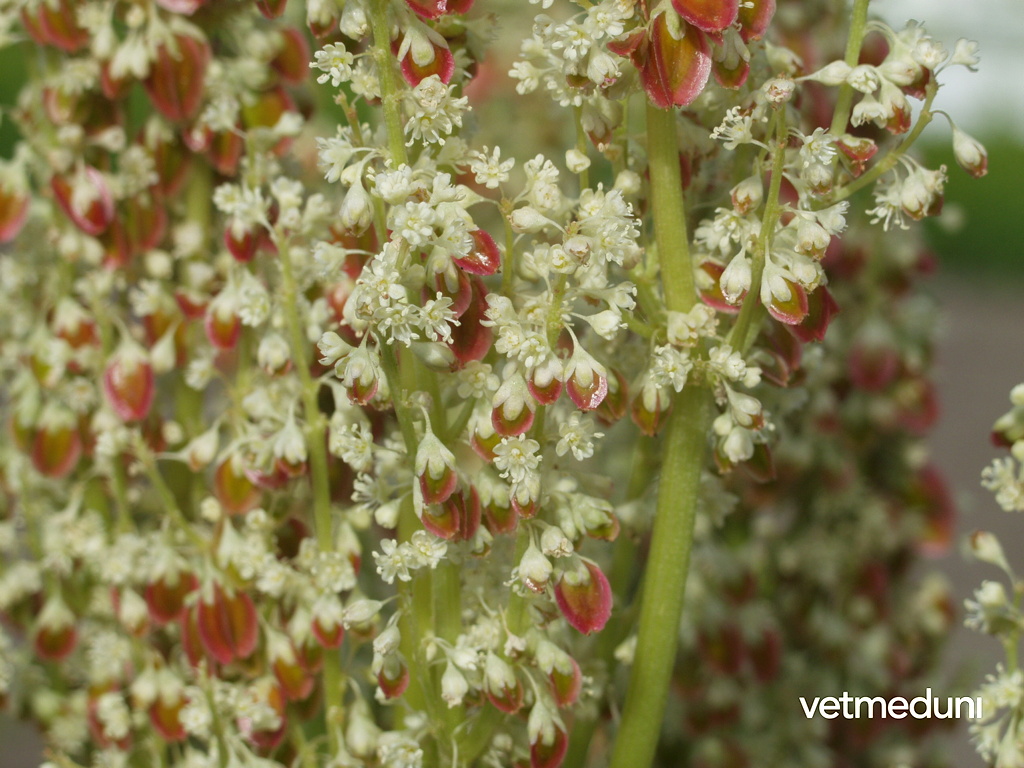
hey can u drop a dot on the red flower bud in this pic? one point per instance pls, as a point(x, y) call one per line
point(129, 384)
point(584, 597)
point(228, 626)
point(176, 77)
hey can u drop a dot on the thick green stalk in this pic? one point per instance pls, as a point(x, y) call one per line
point(668, 563)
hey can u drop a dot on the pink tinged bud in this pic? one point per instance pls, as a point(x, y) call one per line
point(233, 489)
point(85, 199)
point(587, 381)
point(674, 61)
point(821, 310)
point(613, 407)
point(56, 449)
point(709, 277)
point(754, 17)
point(501, 685)
point(442, 520)
point(512, 414)
point(484, 440)
point(791, 309)
point(241, 244)
point(970, 155)
point(228, 625)
point(129, 384)
point(223, 327)
point(649, 410)
point(524, 505)
point(708, 15)
point(56, 24)
point(544, 384)
point(329, 636)
point(500, 518)
point(435, 468)
point(431, 9)
point(484, 259)
point(13, 213)
point(731, 76)
point(585, 598)
point(296, 683)
point(566, 684)
point(271, 9)
point(454, 284)
point(550, 755)
point(471, 340)
point(166, 595)
point(292, 59)
point(56, 635)
point(223, 149)
point(176, 77)
point(858, 151)
point(393, 677)
point(165, 716)
point(442, 64)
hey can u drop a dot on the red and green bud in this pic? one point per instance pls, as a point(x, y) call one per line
point(584, 597)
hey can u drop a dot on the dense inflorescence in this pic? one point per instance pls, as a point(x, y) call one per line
point(339, 438)
point(996, 612)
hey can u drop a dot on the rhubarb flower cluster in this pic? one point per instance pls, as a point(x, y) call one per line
point(343, 425)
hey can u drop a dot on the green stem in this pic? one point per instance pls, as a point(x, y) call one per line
point(391, 97)
point(844, 103)
point(685, 444)
point(668, 210)
point(739, 337)
point(668, 563)
point(318, 476)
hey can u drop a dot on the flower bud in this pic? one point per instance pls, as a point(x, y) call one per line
point(584, 597)
point(435, 468)
point(453, 686)
point(534, 569)
point(986, 548)
point(128, 383)
point(576, 161)
point(747, 195)
point(970, 154)
point(501, 684)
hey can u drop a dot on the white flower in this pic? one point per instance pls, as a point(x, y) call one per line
point(578, 435)
point(516, 458)
point(335, 62)
point(393, 561)
point(490, 171)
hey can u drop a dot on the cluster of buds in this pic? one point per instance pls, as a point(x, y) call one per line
point(283, 392)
